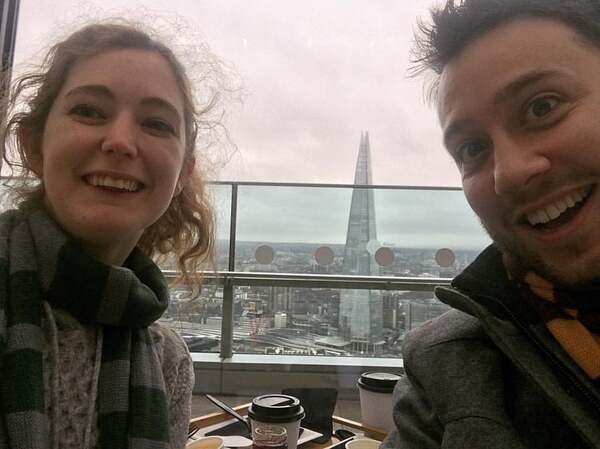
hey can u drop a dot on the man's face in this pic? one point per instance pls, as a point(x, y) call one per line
point(520, 111)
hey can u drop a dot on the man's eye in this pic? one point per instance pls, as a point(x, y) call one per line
point(471, 152)
point(87, 111)
point(159, 126)
point(540, 108)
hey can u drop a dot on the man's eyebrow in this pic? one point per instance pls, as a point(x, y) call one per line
point(522, 82)
point(503, 94)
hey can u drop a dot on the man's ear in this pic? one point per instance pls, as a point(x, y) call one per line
point(30, 143)
point(186, 171)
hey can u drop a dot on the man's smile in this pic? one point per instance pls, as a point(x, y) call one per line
point(559, 211)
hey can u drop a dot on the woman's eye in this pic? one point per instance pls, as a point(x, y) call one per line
point(540, 108)
point(87, 111)
point(159, 126)
point(471, 152)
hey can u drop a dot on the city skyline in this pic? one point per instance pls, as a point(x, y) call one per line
point(294, 320)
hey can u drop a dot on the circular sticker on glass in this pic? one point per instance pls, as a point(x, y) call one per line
point(324, 255)
point(445, 257)
point(384, 256)
point(264, 254)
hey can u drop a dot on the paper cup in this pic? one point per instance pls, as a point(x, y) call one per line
point(206, 443)
point(376, 399)
point(278, 410)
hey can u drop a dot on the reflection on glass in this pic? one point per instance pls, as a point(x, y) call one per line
point(220, 195)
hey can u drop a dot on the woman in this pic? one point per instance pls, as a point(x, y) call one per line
point(109, 130)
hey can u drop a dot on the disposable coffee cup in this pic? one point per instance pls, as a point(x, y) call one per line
point(280, 410)
point(376, 399)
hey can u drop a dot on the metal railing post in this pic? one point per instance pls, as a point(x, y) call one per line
point(9, 13)
point(228, 284)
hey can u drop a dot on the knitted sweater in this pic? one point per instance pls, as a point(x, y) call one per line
point(71, 362)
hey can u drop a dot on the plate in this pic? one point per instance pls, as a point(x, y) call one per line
point(307, 434)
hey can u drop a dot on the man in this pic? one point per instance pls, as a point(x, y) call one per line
point(516, 363)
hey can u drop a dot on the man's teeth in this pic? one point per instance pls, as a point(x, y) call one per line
point(556, 209)
point(107, 181)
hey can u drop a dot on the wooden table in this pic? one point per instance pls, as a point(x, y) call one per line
point(217, 417)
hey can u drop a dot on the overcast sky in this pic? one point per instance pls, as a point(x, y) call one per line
point(315, 73)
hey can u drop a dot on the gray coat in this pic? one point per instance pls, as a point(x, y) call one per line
point(490, 376)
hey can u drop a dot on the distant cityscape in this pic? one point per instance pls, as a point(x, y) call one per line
point(305, 321)
point(287, 320)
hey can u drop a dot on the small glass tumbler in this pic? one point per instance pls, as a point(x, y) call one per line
point(271, 437)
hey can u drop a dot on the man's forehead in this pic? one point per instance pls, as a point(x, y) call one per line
point(507, 57)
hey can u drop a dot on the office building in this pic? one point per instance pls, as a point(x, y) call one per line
point(361, 310)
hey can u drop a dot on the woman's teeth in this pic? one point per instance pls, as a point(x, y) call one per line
point(107, 181)
point(556, 209)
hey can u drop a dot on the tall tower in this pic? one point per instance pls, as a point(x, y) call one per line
point(361, 319)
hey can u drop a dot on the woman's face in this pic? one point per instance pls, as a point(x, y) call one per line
point(113, 150)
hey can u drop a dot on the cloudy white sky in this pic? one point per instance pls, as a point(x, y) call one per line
point(315, 73)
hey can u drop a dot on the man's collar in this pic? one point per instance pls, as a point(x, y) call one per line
point(486, 282)
point(485, 275)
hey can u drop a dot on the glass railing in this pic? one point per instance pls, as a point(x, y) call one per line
point(303, 269)
point(303, 229)
point(292, 281)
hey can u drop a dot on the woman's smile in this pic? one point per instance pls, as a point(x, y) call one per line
point(114, 183)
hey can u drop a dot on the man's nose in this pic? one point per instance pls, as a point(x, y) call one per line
point(517, 164)
point(120, 138)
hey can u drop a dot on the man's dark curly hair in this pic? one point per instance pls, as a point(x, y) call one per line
point(460, 22)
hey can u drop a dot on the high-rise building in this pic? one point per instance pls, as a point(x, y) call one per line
point(361, 320)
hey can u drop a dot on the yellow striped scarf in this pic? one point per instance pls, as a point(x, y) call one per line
point(573, 318)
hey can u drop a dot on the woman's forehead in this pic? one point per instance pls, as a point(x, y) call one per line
point(141, 73)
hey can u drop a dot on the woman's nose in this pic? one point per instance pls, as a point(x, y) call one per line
point(517, 164)
point(120, 138)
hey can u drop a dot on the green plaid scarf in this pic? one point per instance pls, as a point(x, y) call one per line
point(38, 261)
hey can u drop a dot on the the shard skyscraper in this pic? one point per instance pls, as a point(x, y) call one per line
point(361, 320)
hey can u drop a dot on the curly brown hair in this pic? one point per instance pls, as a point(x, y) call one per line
point(186, 229)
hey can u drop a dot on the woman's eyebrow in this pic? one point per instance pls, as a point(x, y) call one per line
point(103, 91)
point(93, 89)
point(161, 103)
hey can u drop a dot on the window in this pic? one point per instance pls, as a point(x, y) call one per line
point(329, 265)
